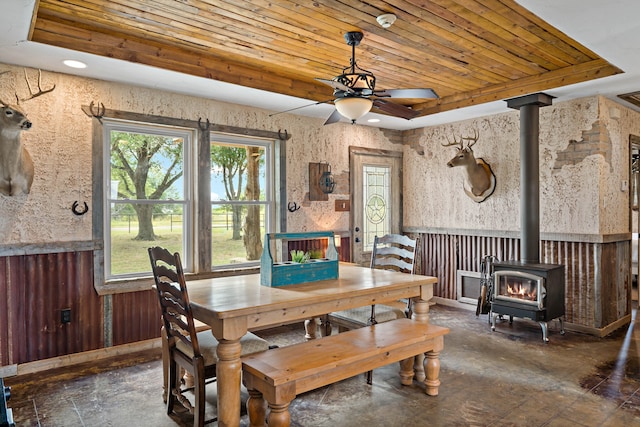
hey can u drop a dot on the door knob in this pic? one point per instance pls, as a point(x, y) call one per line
point(357, 240)
point(357, 229)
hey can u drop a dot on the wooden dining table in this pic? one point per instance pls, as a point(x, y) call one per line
point(233, 305)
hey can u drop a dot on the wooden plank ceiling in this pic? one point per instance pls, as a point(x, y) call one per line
point(469, 51)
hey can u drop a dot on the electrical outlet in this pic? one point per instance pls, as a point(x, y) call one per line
point(65, 315)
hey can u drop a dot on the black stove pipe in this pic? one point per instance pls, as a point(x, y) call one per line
point(529, 107)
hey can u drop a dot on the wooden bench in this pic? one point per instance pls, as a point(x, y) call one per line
point(280, 374)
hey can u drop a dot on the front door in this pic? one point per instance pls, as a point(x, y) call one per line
point(376, 192)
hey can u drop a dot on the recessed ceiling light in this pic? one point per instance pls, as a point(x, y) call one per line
point(373, 120)
point(74, 64)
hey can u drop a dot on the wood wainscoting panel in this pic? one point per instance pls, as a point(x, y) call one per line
point(472, 249)
point(579, 259)
point(598, 282)
point(438, 257)
point(5, 303)
point(597, 275)
point(136, 317)
point(37, 288)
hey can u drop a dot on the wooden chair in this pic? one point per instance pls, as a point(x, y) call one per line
point(193, 351)
point(390, 252)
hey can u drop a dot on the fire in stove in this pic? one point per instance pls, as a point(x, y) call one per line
point(522, 291)
point(520, 287)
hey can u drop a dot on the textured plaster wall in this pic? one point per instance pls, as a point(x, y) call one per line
point(60, 144)
point(313, 142)
point(584, 195)
point(620, 122)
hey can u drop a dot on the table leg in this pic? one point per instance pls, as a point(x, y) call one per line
point(229, 373)
point(406, 371)
point(420, 310)
point(418, 367)
point(420, 314)
point(311, 328)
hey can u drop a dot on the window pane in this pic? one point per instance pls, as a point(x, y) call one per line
point(146, 196)
point(240, 195)
point(377, 199)
point(229, 247)
point(233, 177)
point(129, 252)
point(146, 166)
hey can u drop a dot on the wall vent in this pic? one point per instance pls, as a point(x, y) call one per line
point(468, 286)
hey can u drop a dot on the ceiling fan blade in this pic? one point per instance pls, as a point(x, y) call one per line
point(407, 93)
point(336, 85)
point(302, 106)
point(393, 109)
point(333, 118)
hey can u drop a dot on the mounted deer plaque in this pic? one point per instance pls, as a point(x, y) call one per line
point(16, 166)
point(479, 180)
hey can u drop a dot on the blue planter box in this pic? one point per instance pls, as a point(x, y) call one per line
point(273, 273)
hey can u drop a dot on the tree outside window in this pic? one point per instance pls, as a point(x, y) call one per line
point(150, 197)
point(240, 194)
point(147, 201)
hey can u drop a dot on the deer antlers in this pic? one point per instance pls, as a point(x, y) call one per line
point(40, 90)
point(32, 94)
point(470, 144)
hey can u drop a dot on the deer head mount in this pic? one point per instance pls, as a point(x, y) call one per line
point(479, 180)
point(16, 166)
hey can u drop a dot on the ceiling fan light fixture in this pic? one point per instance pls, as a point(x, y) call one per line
point(386, 20)
point(353, 107)
point(363, 83)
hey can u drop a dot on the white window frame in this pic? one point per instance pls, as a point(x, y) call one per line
point(270, 184)
point(189, 161)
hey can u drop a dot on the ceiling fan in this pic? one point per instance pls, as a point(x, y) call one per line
point(355, 93)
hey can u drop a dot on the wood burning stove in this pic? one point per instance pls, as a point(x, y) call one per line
point(528, 290)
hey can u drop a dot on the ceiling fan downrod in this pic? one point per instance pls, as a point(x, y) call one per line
point(360, 81)
point(353, 39)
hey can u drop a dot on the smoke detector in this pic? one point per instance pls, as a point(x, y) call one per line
point(386, 20)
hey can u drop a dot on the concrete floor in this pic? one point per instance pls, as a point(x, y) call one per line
point(504, 378)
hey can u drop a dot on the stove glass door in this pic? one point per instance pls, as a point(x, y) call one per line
point(521, 287)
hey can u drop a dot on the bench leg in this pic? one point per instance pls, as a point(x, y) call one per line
point(432, 370)
point(279, 415)
point(257, 409)
point(325, 326)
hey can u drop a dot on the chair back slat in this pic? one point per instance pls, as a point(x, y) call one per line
point(389, 263)
point(174, 300)
point(394, 252)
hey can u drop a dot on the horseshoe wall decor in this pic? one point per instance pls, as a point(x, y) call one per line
point(76, 211)
point(293, 206)
point(202, 126)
